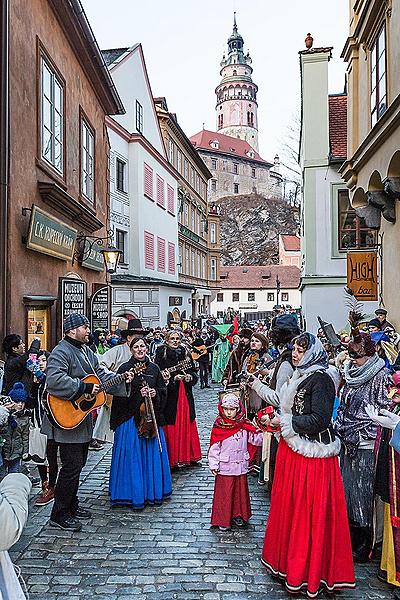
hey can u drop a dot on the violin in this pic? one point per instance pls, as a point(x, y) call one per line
point(148, 425)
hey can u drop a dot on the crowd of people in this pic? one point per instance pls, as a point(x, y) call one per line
point(313, 417)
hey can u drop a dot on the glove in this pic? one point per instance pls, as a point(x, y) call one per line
point(386, 419)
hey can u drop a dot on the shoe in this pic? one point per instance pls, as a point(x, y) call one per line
point(95, 445)
point(68, 524)
point(45, 497)
point(382, 575)
point(82, 513)
point(239, 522)
point(361, 555)
point(224, 528)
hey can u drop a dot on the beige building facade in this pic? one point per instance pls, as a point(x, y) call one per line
point(372, 170)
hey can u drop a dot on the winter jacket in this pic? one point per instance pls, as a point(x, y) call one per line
point(15, 432)
point(15, 368)
point(231, 456)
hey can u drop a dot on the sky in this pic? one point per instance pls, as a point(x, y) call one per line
point(183, 42)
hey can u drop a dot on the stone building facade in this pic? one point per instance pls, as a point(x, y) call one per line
point(58, 193)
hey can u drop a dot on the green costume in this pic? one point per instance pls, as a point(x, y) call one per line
point(222, 352)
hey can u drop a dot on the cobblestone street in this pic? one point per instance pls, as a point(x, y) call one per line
point(159, 553)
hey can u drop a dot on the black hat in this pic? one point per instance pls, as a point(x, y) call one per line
point(135, 327)
point(246, 332)
point(375, 323)
point(381, 311)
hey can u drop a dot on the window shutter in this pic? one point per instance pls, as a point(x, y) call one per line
point(171, 258)
point(160, 191)
point(161, 254)
point(170, 199)
point(148, 181)
point(148, 250)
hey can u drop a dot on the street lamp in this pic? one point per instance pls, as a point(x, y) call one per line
point(111, 256)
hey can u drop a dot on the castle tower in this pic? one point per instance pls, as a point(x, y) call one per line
point(237, 93)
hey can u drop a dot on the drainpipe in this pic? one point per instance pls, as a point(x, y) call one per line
point(4, 164)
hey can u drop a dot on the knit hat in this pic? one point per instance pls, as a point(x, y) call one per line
point(18, 392)
point(287, 322)
point(230, 401)
point(75, 320)
point(246, 332)
point(375, 323)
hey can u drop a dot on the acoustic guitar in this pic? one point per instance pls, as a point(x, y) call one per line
point(198, 351)
point(69, 414)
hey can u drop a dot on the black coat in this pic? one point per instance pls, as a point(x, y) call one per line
point(168, 357)
point(124, 408)
point(15, 369)
point(313, 406)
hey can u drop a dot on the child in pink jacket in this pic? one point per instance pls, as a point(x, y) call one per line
point(228, 460)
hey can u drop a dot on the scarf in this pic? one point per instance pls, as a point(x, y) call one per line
point(356, 376)
point(224, 428)
point(315, 357)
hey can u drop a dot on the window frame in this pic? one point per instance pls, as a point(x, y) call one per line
point(118, 161)
point(270, 296)
point(123, 256)
point(285, 296)
point(84, 122)
point(235, 296)
point(253, 296)
point(139, 116)
point(43, 56)
point(220, 297)
point(374, 58)
point(235, 188)
point(213, 269)
point(357, 230)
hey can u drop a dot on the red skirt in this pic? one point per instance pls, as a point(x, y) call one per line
point(231, 500)
point(307, 540)
point(182, 438)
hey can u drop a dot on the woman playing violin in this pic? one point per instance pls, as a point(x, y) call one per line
point(140, 472)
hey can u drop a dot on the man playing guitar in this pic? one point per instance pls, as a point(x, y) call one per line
point(69, 362)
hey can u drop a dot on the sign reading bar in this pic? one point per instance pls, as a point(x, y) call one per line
point(362, 275)
point(94, 258)
point(100, 309)
point(49, 235)
point(72, 297)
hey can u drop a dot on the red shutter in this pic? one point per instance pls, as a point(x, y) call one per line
point(171, 258)
point(170, 199)
point(161, 254)
point(160, 191)
point(148, 181)
point(148, 250)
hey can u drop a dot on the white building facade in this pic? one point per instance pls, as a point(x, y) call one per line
point(143, 191)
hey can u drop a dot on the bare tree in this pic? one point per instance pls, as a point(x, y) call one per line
point(291, 172)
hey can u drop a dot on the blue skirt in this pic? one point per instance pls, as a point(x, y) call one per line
point(140, 474)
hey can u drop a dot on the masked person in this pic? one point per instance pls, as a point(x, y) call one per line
point(236, 359)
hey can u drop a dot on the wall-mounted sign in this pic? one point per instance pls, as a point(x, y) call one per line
point(100, 309)
point(362, 275)
point(93, 256)
point(175, 300)
point(72, 298)
point(49, 235)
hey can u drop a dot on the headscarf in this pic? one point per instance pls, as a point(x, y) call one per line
point(224, 428)
point(315, 357)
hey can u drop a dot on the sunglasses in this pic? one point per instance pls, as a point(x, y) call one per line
point(353, 354)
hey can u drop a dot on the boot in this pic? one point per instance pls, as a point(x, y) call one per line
point(362, 552)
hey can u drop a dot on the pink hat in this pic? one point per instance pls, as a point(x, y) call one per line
point(230, 401)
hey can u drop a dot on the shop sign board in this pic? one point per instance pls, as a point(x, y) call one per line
point(362, 275)
point(93, 256)
point(100, 309)
point(73, 298)
point(49, 235)
point(175, 300)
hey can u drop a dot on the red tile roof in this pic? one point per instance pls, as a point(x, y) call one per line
point(338, 126)
point(259, 277)
point(227, 145)
point(291, 243)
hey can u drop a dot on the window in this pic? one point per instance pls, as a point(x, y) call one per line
point(161, 254)
point(148, 181)
point(253, 172)
point(198, 265)
point(179, 161)
point(87, 161)
point(220, 314)
point(171, 258)
point(186, 169)
point(148, 250)
point(187, 262)
point(171, 151)
point(203, 267)
point(353, 231)
point(139, 117)
point(235, 188)
point(180, 260)
point(285, 297)
point(192, 177)
point(52, 116)
point(120, 242)
point(160, 192)
point(220, 297)
point(193, 264)
point(213, 233)
point(270, 297)
point(213, 269)
point(235, 168)
point(186, 214)
point(378, 77)
point(213, 185)
point(251, 296)
point(235, 297)
point(213, 163)
point(170, 200)
point(120, 174)
point(192, 220)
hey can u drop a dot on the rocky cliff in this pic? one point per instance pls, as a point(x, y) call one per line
point(250, 228)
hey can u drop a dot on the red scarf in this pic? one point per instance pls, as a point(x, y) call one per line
point(224, 428)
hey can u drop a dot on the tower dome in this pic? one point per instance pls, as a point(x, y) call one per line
point(236, 106)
